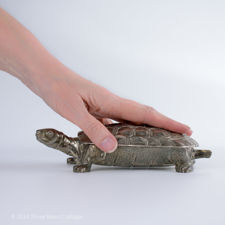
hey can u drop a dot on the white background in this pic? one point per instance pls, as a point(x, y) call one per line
point(167, 54)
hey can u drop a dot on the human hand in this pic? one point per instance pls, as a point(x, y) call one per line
point(90, 106)
point(80, 101)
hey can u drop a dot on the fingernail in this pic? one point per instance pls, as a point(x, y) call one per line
point(108, 145)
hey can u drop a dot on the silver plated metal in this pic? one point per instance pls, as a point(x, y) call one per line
point(138, 146)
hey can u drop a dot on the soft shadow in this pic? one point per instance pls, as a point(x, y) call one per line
point(115, 168)
point(63, 166)
point(33, 166)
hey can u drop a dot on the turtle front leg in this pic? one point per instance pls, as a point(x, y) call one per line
point(82, 168)
point(71, 160)
point(184, 166)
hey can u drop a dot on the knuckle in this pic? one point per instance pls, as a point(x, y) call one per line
point(93, 127)
point(148, 108)
point(147, 111)
point(111, 104)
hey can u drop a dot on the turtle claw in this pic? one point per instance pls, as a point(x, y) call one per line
point(71, 160)
point(81, 168)
point(184, 168)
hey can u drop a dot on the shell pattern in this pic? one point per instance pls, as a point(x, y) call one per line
point(128, 134)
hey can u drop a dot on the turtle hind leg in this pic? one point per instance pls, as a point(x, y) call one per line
point(82, 168)
point(184, 167)
point(71, 160)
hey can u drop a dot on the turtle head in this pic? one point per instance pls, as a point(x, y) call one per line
point(57, 140)
point(48, 136)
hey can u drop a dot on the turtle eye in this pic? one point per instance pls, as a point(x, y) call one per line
point(49, 134)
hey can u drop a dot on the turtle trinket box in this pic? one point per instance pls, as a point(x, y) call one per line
point(138, 146)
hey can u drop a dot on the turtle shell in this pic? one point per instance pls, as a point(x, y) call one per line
point(128, 134)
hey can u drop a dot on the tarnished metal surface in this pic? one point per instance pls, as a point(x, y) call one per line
point(138, 146)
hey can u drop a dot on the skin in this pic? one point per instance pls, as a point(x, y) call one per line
point(84, 103)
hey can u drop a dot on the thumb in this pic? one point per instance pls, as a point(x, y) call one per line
point(98, 133)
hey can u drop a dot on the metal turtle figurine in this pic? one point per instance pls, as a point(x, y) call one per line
point(138, 146)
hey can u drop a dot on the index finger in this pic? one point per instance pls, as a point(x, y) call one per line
point(126, 109)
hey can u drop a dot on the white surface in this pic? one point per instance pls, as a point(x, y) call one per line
point(168, 54)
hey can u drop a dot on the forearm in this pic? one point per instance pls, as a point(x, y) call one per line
point(23, 56)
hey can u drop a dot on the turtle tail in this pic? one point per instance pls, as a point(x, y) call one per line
point(202, 154)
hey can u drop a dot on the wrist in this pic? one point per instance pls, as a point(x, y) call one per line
point(41, 78)
point(50, 76)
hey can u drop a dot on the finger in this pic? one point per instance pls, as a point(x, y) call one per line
point(127, 109)
point(97, 132)
point(105, 121)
